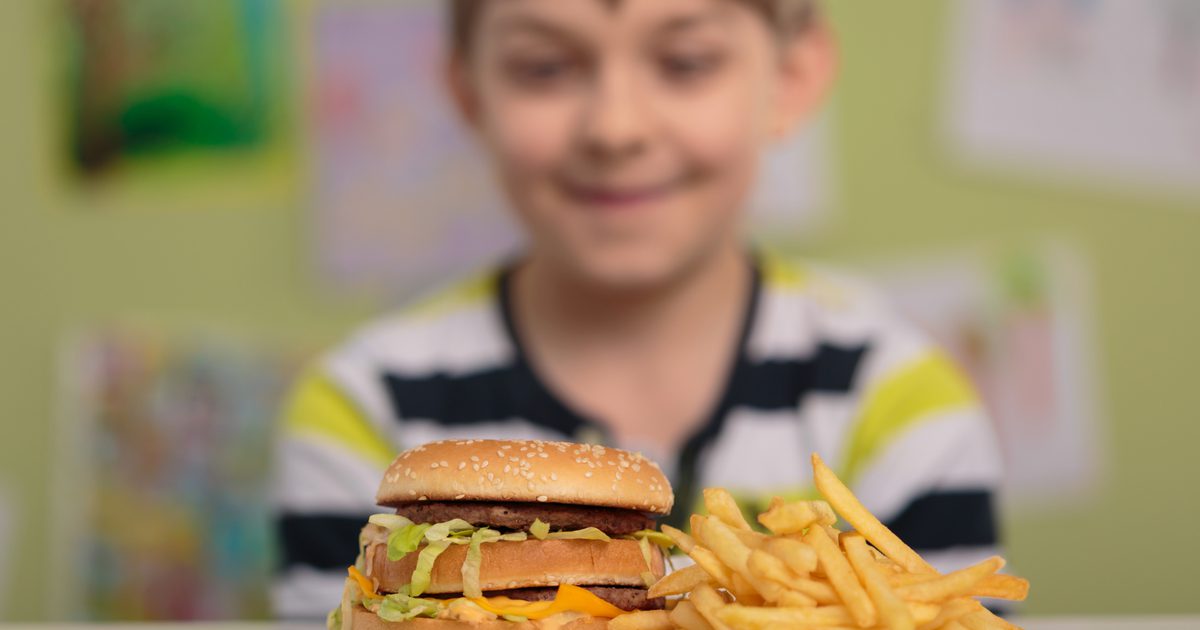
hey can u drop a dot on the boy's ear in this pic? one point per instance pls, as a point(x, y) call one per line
point(457, 77)
point(808, 67)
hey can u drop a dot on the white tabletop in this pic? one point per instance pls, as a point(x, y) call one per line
point(1033, 623)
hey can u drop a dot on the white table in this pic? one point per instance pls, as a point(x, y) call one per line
point(1039, 623)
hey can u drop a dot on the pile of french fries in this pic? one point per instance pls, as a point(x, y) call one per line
point(809, 574)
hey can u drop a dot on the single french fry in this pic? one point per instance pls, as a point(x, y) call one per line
point(822, 592)
point(642, 620)
point(997, 586)
point(752, 617)
point(845, 503)
point(745, 592)
point(795, 517)
point(679, 582)
point(893, 612)
point(686, 616)
point(722, 505)
point(771, 577)
point(951, 611)
point(951, 585)
point(682, 540)
point(796, 599)
point(984, 620)
point(798, 556)
point(751, 539)
point(1002, 586)
point(718, 537)
point(768, 567)
point(708, 561)
point(709, 603)
point(844, 581)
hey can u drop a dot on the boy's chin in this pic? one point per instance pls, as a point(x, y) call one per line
point(630, 272)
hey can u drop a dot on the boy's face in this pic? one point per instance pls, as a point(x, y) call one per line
point(628, 134)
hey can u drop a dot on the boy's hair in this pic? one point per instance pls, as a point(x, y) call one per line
point(788, 18)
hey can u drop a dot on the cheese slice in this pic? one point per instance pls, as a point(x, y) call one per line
point(568, 599)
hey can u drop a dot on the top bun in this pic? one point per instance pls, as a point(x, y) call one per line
point(526, 470)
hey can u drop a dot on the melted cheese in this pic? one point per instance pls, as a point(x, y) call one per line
point(568, 599)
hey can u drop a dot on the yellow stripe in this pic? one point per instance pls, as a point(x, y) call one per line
point(927, 386)
point(780, 273)
point(479, 289)
point(317, 407)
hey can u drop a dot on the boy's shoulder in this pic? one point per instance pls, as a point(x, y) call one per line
point(806, 304)
point(457, 326)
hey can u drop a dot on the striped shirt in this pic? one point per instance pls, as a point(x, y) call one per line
point(823, 366)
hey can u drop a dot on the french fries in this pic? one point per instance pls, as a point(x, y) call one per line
point(807, 574)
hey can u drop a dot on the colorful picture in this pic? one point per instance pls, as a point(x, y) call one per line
point(1019, 321)
point(152, 79)
point(166, 514)
point(1104, 91)
point(404, 197)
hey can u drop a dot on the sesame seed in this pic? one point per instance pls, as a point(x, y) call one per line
point(543, 456)
point(422, 498)
point(484, 464)
point(459, 496)
point(543, 498)
point(444, 464)
point(475, 467)
point(462, 465)
point(474, 458)
point(587, 474)
point(554, 476)
point(433, 465)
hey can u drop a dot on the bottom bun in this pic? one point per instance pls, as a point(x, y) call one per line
point(363, 619)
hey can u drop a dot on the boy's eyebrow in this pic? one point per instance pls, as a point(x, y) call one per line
point(530, 24)
point(694, 20)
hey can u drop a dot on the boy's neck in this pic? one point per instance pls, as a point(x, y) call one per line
point(561, 310)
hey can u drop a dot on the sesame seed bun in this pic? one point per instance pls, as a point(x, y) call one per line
point(526, 471)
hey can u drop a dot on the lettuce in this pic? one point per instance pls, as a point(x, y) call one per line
point(456, 528)
point(648, 556)
point(401, 607)
point(389, 522)
point(654, 536)
point(470, 567)
point(405, 540)
point(333, 621)
point(539, 529)
point(587, 533)
point(423, 572)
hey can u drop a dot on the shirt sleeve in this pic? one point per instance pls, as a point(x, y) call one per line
point(329, 460)
point(922, 455)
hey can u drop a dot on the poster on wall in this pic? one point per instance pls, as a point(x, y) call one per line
point(1019, 320)
point(1092, 90)
point(162, 498)
point(169, 90)
point(405, 197)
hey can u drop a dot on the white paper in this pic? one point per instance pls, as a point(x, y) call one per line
point(1105, 91)
point(1020, 323)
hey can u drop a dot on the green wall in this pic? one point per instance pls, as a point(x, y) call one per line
point(236, 258)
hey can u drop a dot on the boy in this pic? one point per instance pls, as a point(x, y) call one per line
point(627, 135)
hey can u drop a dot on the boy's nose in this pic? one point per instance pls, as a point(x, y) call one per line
point(614, 123)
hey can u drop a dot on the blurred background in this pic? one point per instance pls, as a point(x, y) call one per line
point(199, 195)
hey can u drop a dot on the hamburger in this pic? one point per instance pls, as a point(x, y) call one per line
point(508, 535)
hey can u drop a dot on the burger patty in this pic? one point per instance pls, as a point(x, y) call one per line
point(623, 597)
point(519, 516)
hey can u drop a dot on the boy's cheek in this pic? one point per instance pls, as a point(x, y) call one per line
point(529, 135)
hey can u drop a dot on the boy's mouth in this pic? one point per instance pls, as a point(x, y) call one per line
point(615, 197)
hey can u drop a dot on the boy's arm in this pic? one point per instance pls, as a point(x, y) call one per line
point(922, 455)
point(329, 460)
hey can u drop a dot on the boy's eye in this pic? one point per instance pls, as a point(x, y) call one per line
point(689, 67)
point(540, 71)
